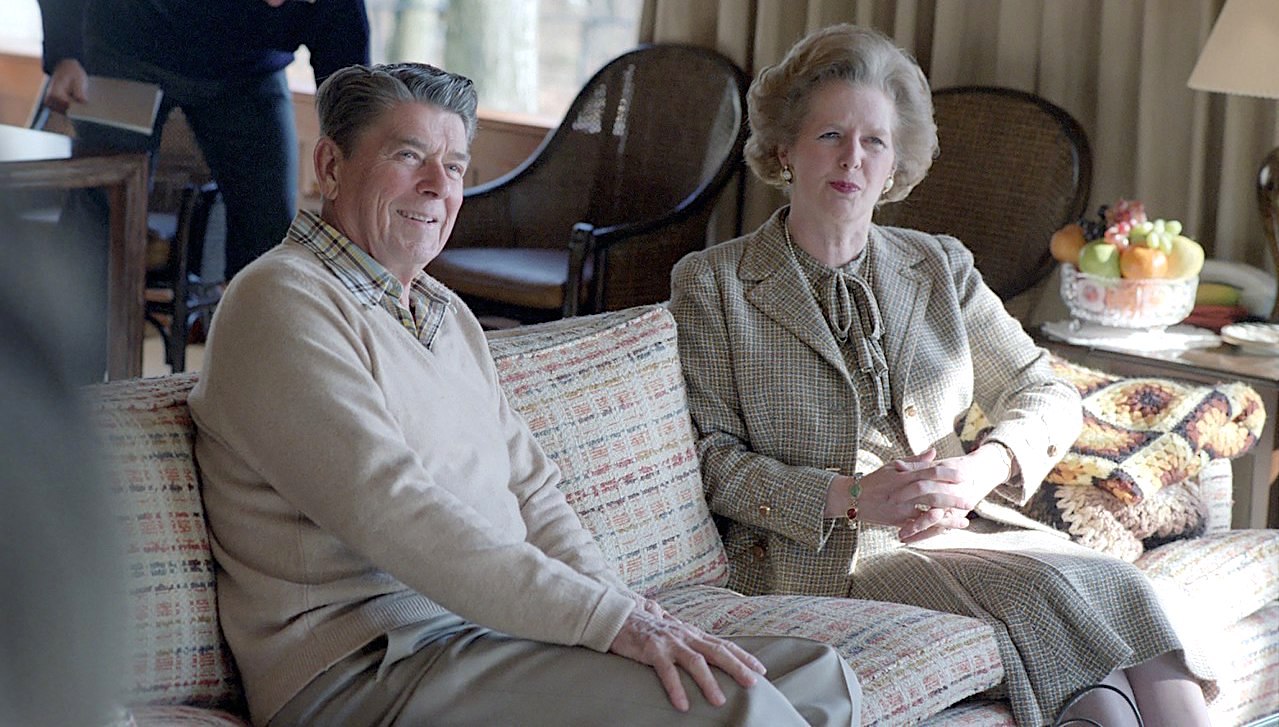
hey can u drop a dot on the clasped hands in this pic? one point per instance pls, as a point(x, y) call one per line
point(920, 495)
point(652, 636)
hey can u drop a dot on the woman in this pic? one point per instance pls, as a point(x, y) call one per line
point(828, 360)
point(391, 543)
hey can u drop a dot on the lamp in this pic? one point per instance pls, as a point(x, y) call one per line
point(1242, 57)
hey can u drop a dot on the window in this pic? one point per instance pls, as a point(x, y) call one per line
point(20, 30)
point(525, 56)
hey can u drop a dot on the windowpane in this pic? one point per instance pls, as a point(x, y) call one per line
point(525, 56)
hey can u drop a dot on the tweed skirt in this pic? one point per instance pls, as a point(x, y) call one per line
point(1064, 616)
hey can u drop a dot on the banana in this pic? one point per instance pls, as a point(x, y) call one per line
point(1217, 294)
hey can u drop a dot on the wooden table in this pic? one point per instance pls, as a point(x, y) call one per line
point(1254, 472)
point(124, 177)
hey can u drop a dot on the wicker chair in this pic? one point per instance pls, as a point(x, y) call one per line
point(619, 192)
point(1013, 168)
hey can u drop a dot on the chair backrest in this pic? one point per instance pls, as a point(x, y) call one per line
point(1013, 168)
point(187, 247)
point(655, 129)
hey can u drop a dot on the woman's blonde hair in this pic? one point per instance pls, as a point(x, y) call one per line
point(779, 97)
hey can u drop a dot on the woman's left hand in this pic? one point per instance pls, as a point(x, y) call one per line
point(979, 472)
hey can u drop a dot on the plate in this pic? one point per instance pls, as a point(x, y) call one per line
point(1179, 337)
point(1259, 338)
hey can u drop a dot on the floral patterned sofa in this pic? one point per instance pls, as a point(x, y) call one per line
point(605, 396)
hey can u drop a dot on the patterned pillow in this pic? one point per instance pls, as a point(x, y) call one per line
point(604, 396)
point(178, 654)
point(1133, 479)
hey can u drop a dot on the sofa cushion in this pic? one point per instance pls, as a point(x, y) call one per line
point(1249, 676)
point(974, 713)
point(911, 662)
point(178, 655)
point(604, 396)
point(179, 716)
point(1223, 577)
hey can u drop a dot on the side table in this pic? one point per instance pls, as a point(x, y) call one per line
point(31, 159)
point(1256, 497)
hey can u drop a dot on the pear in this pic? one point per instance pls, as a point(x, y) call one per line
point(1186, 257)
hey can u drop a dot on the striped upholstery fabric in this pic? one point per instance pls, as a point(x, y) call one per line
point(974, 713)
point(178, 716)
point(1250, 677)
point(1225, 576)
point(910, 662)
point(1220, 591)
point(604, 397)
point(178, 654)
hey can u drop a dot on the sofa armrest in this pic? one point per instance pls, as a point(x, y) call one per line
point(1216, 492)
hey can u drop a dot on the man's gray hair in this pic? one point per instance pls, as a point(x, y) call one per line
point(353, 98)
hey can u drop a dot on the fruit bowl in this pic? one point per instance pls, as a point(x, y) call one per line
point(1127, 302)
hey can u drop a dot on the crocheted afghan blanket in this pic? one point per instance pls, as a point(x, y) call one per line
point(1141, 434)
point(1129, 481)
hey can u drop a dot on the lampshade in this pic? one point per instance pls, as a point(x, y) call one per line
point(1242, 52)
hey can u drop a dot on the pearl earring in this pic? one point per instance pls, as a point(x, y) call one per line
point(888, 185)
point(786, 175)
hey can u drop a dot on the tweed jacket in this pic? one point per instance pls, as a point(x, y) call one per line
point(776, 407)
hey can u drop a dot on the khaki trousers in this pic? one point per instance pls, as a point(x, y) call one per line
point(461, 674)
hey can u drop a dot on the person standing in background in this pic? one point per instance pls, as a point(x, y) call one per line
point(223, 64)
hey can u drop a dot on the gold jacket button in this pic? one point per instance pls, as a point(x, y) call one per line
point(765, 510)
point(910, 410)
point(759, 552)
point(1052, 450)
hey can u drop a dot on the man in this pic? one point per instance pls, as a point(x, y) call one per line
point(392, 545)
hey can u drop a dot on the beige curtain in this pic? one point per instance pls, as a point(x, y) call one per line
point(1119, 66)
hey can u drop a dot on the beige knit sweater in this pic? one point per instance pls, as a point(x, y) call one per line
point(356, 482)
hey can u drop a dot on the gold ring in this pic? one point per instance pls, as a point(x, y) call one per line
point(922, 507)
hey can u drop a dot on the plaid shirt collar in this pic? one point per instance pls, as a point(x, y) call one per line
point(369, 281)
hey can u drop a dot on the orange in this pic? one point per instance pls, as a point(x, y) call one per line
point(1066, 244)
point(1138, 261)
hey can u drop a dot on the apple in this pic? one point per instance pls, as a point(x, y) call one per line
point(1099, 258)
point(1186, 258)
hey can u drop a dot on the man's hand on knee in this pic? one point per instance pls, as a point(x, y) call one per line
point(668, 645)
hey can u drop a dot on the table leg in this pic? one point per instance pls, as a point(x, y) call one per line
point(126, 271)
point(1252, 480)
